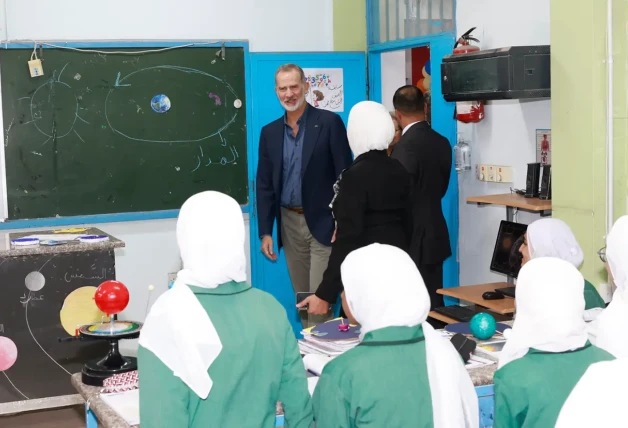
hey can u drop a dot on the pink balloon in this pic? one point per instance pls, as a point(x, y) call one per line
point(8, 353)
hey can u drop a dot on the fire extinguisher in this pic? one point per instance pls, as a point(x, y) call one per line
point(468, 111)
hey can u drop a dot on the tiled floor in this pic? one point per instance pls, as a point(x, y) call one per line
point(71, 417)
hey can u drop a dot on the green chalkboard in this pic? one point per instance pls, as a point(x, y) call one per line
point(91, 135)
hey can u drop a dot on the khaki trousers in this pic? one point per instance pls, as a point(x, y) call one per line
point(306, 258)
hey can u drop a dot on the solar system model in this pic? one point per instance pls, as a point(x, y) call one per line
point(111, 297)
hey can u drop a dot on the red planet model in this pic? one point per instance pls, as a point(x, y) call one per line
point(112, 297)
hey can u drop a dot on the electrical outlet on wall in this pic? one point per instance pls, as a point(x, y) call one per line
point(503, 174)
point(480, 172)
point(172, 276)
point(491, 173)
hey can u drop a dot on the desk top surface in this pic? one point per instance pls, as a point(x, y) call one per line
point(513, 200)
point(108, 418)
point(8, 250)
point(473, 294)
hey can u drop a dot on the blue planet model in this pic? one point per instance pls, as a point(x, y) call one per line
point(160, 103)
point(483, 326)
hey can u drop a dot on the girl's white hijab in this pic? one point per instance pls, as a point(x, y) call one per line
point(551, 237)
point(609, 329)
point(550, 302)
point(383, 289)
point(369, 128)
point(599, 397)
point(210, 234)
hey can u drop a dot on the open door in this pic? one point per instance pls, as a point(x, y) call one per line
point(381, 88)
point(346, 69)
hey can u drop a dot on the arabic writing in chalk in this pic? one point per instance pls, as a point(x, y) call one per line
point(30, 298)
point(68, 277)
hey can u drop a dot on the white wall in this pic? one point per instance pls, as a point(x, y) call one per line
point(507, 136)
point(151, 251)
point(271, 25)
point(394, 70)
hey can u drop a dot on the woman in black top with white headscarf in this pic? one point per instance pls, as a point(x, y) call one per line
point(371, 201)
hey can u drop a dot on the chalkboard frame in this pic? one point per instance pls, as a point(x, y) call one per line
point(130, 216)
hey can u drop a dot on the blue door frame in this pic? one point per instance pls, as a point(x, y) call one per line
point(442, 121)
point(273, 277)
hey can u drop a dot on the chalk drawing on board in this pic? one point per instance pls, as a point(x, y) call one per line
point(36, 281)
point(47, 100)
point(122, 82)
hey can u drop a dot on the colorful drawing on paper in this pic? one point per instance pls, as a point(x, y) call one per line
point(544, 146)
point(326, 88)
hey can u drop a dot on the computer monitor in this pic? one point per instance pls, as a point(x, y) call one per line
point(506, 257)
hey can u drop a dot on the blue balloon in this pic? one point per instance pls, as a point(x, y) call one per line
point(428, 67)
point(483, 326)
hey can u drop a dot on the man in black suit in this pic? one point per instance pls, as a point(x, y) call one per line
point(301, 154)
point(427, 155)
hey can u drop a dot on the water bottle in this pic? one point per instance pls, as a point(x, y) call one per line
point(462, 155)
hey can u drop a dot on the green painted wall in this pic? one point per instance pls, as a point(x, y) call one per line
point(349, 25)
point(579, 88)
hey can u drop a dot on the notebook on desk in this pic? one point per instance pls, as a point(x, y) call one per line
point(126, 404)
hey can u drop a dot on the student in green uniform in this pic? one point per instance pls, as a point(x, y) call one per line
point(609, 329)
point(403, 373)
point(551, 237)
point(213, 351)
point(548, 350)
point(599, 398)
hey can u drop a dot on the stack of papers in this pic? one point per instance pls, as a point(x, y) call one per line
point(126, 404)
point(325, 339)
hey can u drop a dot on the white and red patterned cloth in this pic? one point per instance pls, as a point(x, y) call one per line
point(121, 382)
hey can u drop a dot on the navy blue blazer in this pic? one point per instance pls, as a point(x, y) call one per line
point(326, 154)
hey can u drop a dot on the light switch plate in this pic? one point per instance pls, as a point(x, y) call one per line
point(503, 174)
point(491, 173)
point(481, 172)
point(172, 276)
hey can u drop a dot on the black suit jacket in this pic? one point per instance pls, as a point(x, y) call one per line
point(427, 155)
point(326, 153)
point(371, 207)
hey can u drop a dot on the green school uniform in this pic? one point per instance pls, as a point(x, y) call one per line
point(259, 365)
point(381, 383)
point(592, 298)
point(530, 391)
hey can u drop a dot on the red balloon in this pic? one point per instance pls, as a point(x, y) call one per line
point(112, 297)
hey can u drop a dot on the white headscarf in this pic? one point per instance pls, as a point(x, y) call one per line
point(551, 237)
point(599, 398)
point(609, 329)
point(384, 288)
point(550, 302)
point(369, 128)
point(210, 234)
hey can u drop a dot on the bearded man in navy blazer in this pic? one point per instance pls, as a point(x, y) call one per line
point(301, 155)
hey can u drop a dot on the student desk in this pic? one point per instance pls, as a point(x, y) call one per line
point(99, 415)
point(473, 294)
